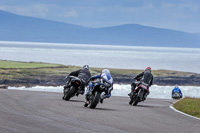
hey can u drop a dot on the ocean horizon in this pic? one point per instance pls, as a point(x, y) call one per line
point(103, 56)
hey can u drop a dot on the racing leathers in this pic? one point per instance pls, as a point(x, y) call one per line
point(177, 89)
point(144, 77)
point(91, 85)
point(83, 74)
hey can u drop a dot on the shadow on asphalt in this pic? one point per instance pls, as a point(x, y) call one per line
point(105, 109)
point(148, 106)
point(74, 101)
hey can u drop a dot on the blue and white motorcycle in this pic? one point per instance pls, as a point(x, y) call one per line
point(99, 85)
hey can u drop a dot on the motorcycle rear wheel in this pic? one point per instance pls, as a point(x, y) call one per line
point(136, 101)
point(95, 100)
point(70, 93)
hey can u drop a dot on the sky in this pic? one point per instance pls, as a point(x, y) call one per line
point(182, 15)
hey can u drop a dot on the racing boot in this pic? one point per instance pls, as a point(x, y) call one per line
point(131, 93)
point(81, 92)
point(145, 95)
point(86, 100)
point(102, 98)
point(132, 89)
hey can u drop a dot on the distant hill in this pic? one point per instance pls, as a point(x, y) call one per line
point(22, 28)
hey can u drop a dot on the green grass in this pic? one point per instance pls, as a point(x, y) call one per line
point(156, 73)
point(189, 106)
point(13, 64)
point(15, 70)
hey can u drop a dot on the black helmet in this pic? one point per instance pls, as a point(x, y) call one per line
point(86, 67)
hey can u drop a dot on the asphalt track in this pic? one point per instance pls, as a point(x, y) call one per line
point(46, 112)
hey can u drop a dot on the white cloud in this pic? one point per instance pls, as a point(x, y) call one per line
point(70, 13)
point(148, 6)
point(184, 6)
point(190, 7)
point(2, 7)
point(39, 10)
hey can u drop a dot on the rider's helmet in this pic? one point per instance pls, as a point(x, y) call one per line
point(176, 86)
point(105, 71)
point(105, 74)
point(86, 67)
point(148, 68)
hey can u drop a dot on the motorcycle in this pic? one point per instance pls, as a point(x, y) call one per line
point(176, 95)
point(72, 88)
point(138, 94)
point(99, 86)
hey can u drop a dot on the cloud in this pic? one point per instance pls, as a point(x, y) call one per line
point(190, 7)
point(70, 13)
point(39, 10)
point(174, 14)
point(2, 7)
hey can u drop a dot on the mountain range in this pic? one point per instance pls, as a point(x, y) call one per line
point(15, 27)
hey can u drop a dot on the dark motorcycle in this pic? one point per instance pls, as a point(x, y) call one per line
point(99, 86)
point(72, 88)
point(176, 95)
point(139, 93)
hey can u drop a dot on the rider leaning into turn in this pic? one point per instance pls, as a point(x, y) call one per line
point(83, 74)
point(145, 77)
point(105, 74)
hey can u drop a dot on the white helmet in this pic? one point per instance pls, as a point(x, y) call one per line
point(107, 76)
point(106, 71)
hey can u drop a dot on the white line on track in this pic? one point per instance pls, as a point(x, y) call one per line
point(171, 106)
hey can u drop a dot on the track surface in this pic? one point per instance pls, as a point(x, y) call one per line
point(46, 112)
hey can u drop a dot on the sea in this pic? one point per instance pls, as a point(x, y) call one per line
point(108, 56)
point(159, 92)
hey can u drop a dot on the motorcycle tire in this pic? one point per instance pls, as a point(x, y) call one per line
point(95, 100)
point(136, 101)
point(70, 93)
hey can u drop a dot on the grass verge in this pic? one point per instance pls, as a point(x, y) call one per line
point(189, 106)
point(14, 64)
point(37, 73)
point(56, 68)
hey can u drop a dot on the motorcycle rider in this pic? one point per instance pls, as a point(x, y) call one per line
point(106, 75)
point(83, 74)
point(177, 89)
point(146, 77)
